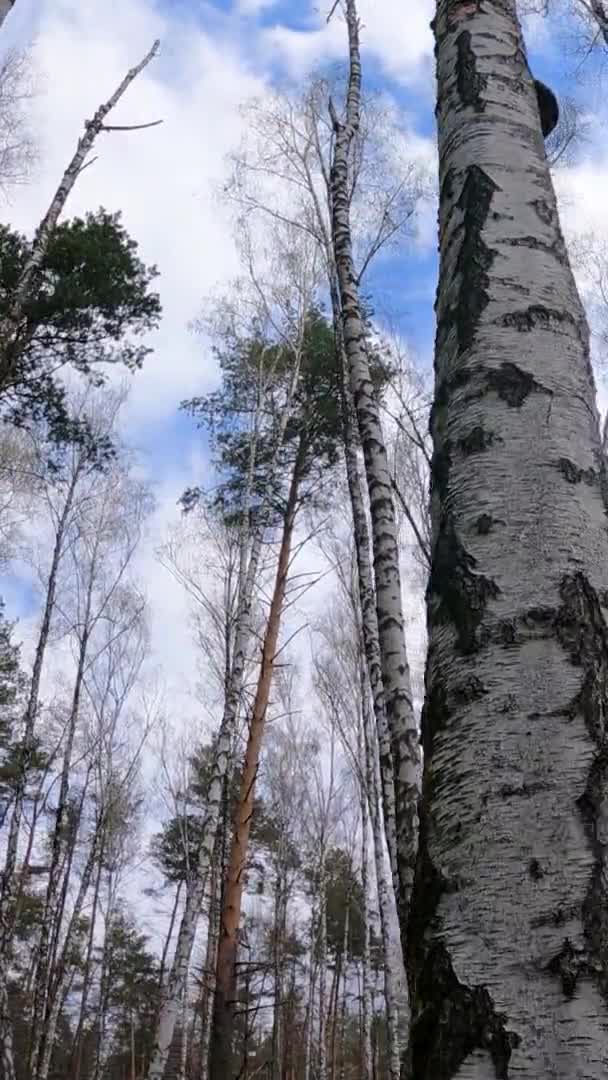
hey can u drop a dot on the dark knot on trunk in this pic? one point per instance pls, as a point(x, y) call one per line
point(547, 107)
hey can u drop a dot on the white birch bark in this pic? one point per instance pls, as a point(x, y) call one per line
point(509, 954)
point(43, 968)
point(384, 898)
point(321, 1073)
point(366, 988)
point(9, 332)
point(395, 669)
point(310, 997)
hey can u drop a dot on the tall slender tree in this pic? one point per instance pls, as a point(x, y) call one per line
point(387, 577)
point(508, 953)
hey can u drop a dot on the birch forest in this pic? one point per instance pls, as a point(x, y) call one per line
point(304, 580)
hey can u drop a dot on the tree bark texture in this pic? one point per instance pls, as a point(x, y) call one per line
point(393, 1050)
point(508, 935)
point(395, 670)
point(225, 987)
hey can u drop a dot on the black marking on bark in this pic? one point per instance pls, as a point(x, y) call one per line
point(476, 440)
point(447, 187)
point(512, 384)
point(470, 689)
point(485, 524)
point(544, 210)
point(536, 315)
point(535, 870)
point(475, 257)
point(454, 1022)
point(522, 791)
point(575, 475)
point(434, 715)
point(582, 632)
point(567, 965)
point(505, 632)
point(469, 82)
point(555, 248)
point(455, 593)
point(440, 470)
point(459, 10)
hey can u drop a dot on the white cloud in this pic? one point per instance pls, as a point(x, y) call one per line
point(254, 7)
point(401, 40)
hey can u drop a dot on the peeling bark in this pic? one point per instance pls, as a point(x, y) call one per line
point(508, 931)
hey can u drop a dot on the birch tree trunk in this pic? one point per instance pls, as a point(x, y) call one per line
point(208, 988)
point(10, 884)
point(321, 1073)
point(367, 615)
point(395, 669)
point(310, 997)
point(384, 899)
point(58, 979)
point(366, 998)
point(509, 944)
point(225, 989)
point(43, 968)
point(88, 970)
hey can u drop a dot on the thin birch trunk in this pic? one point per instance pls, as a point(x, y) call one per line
point(509, 929)
point(59, 978)
point(279, 937)
point(43, 971)
point(7, 1057)
point(310, 998)
point(395, 669)
point(208, 994)
point(223, 753)
point(384, 900)
point(11, 329)
point(169, 934)
point(88, 971)
point(9, 880)
point(225, 990)
point(366, 998)
point(322, 1026)
point(368, 619)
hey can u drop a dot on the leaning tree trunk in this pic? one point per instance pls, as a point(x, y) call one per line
point(367, 616)
point(208, 986)
point(321, 1073)
point(365, 1071)
point(393, 1050)
point(225, 987)
point(43, 968)
point(509, 942)
point(395, 670)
